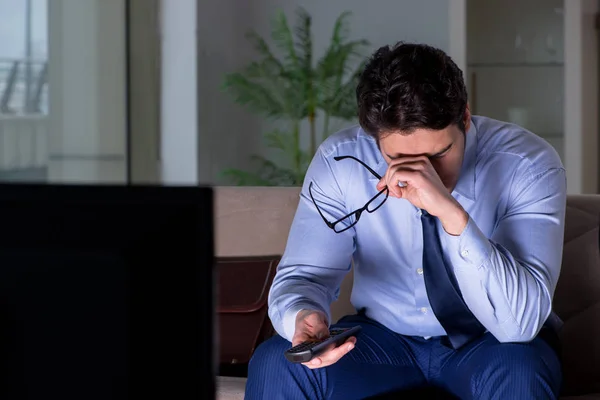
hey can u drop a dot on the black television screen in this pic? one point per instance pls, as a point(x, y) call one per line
point(106, 292)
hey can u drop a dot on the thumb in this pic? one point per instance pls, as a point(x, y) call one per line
point(401, 191)
point(381, 184)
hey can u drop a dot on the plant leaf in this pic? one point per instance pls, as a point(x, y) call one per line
point(278, 139)
point(341, 28)
point(254, 95)
point(261, 46)
point(343, 104)
point(304, 43)
point(283, 38)
point(332, 70)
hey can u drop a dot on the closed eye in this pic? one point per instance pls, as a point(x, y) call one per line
point(442, 153)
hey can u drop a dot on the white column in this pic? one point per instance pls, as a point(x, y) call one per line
point(581, 96)
point(179, 93)
point(87, 91)
point(457, 32)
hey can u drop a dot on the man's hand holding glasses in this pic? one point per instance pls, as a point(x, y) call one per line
point(413, 179)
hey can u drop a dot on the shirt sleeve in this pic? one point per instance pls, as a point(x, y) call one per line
point(316, 258)
point(508, 280)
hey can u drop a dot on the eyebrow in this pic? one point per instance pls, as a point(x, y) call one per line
point(445, 149)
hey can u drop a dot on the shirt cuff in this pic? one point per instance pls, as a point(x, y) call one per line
point(469, 249)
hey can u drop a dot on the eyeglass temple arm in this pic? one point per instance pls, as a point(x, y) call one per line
point(338, 158)
point(329, 224)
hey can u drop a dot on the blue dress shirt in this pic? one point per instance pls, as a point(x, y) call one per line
point(506, 261)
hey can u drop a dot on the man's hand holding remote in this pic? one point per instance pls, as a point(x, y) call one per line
point(312, 325)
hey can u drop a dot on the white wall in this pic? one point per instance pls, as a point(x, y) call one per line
point(87, 91)
point(222, 48)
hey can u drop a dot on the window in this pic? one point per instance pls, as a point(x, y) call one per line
point(63, 91)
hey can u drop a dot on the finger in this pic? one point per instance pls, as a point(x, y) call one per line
point(391, 178)
point(415, 167)
point(419, 160)
point(411, 163)
point(351, 339)
point(323, 359)
point(332, 355)
point(397, 178)
point(415, 164)
point(310, 328)
point(307, 334)
point(382, 183)
point(300, 338)
point(318, 361)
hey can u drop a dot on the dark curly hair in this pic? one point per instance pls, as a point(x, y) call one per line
point(410, 86)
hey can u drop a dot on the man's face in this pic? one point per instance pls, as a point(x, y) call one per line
point(445, 149)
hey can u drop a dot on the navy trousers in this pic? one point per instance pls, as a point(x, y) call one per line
point(384, 363)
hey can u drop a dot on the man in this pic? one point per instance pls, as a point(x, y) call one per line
point(456, 247)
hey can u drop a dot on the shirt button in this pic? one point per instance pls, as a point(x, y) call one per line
point(424, 310)
point(420, 271)
point(464, 253)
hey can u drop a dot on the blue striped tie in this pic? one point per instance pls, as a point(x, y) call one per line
point(443, 292)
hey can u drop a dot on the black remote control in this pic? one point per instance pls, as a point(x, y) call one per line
point(304, 352)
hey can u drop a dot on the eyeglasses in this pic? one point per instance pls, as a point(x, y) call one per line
point(349, 220)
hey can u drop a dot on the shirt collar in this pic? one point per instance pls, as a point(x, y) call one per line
point(466, 181)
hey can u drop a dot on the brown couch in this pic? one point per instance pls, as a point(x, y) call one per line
point(255, 221)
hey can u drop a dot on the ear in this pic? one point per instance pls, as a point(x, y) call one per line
point(467, 117)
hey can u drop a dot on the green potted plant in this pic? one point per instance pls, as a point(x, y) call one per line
point(292, 88)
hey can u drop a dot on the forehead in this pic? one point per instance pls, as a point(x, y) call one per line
point(419, 142)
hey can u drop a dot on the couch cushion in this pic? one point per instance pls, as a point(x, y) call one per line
point(253, 221)
point(577, 296)
point(579, 283)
